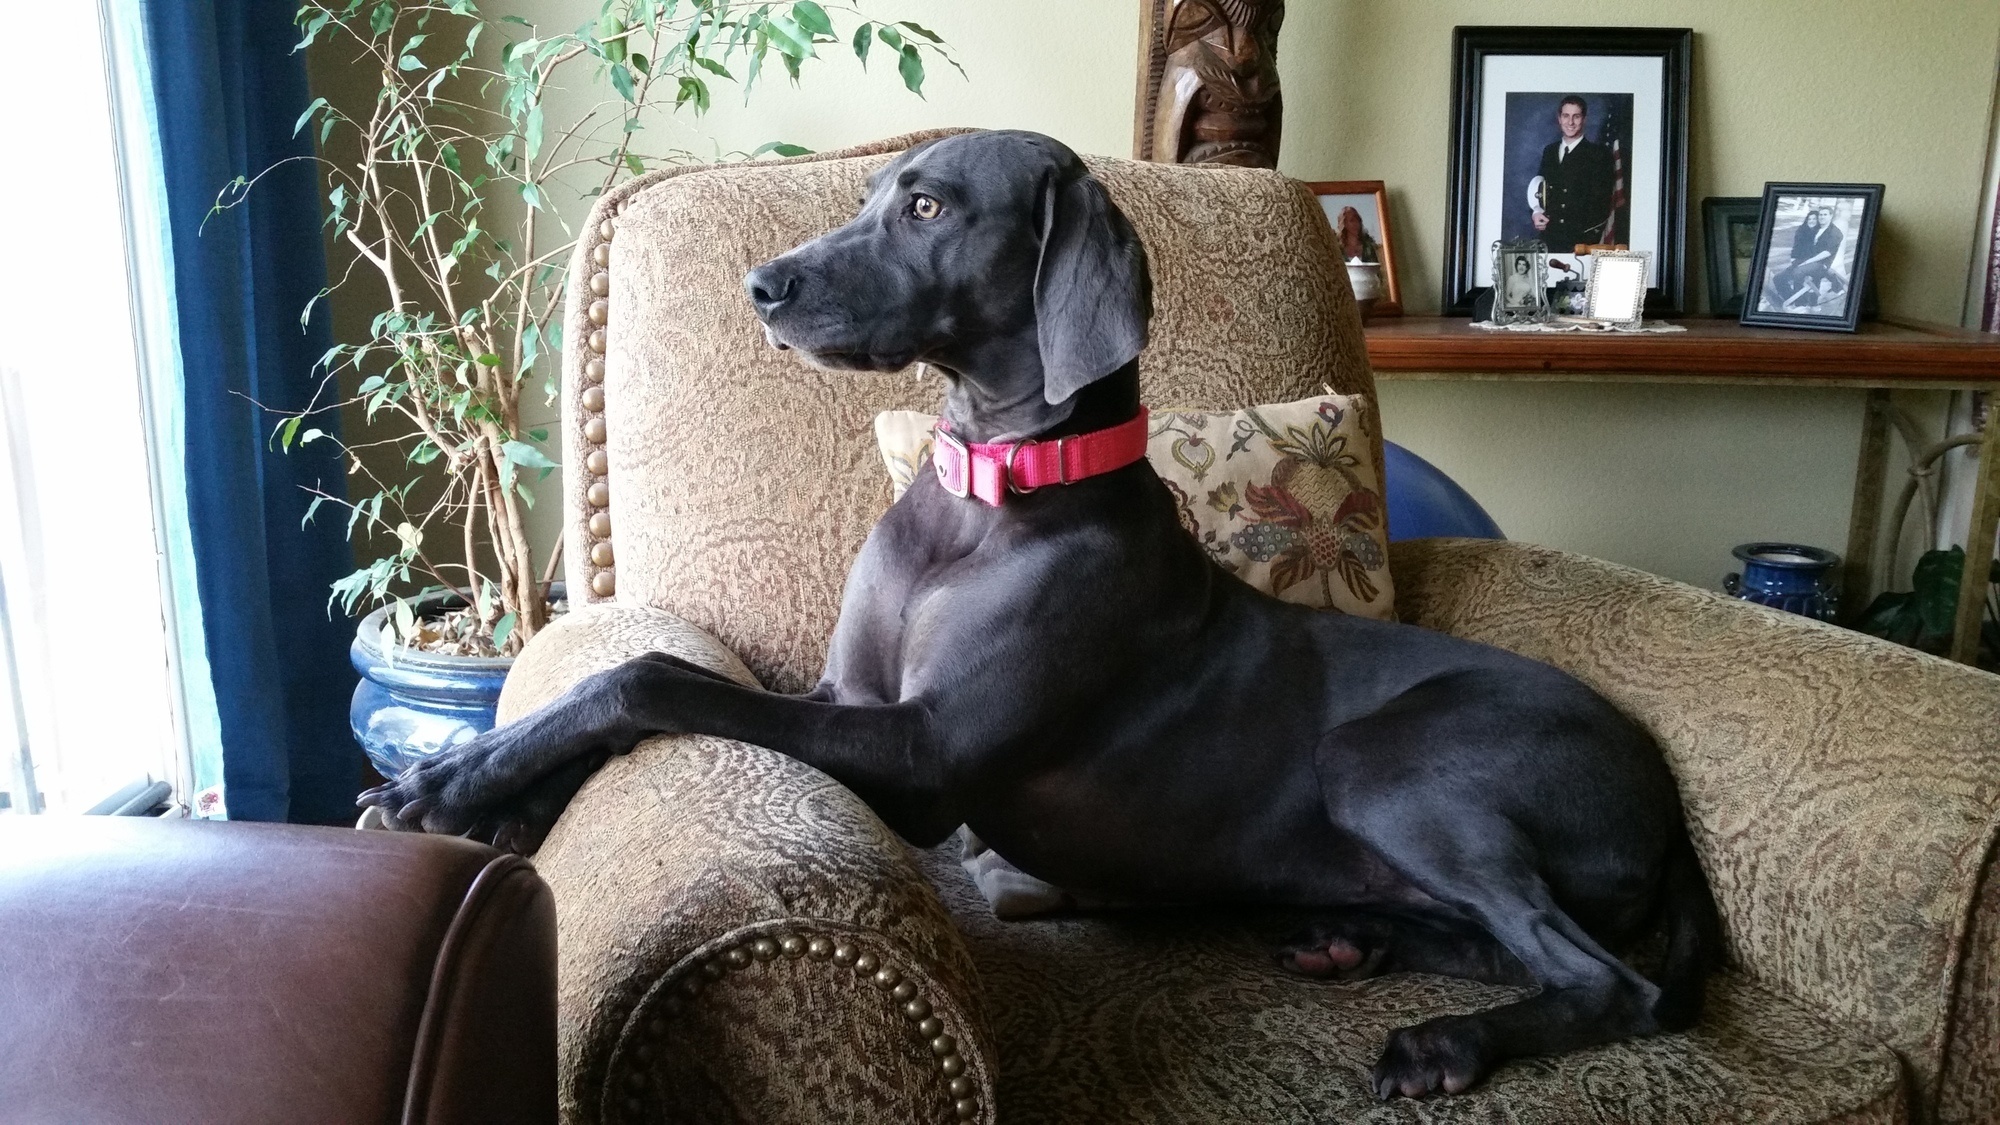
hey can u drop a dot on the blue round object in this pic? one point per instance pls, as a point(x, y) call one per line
point(420, 703)
point(1423, 502)
point(1788, 576)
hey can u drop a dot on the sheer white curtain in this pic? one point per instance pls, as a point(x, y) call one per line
point(90, 698)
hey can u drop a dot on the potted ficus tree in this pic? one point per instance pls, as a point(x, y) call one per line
point(450, 188)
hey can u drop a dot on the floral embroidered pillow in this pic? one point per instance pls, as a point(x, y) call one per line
point(1287, 497)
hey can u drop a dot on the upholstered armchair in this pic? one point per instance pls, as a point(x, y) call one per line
point(743, 941)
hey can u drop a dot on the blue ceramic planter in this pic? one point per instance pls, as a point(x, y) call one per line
point(1786, 576)
point(420, 703)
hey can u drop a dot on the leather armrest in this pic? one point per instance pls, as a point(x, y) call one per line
point(742, 938)
point(158, 970)
point(1844, 792)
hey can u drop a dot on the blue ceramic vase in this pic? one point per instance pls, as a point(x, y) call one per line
point(419, 703)
point(1786, 576)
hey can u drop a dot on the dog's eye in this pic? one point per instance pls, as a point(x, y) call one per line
point(925, 208)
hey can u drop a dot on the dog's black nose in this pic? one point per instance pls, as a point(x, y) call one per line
point(770, 286)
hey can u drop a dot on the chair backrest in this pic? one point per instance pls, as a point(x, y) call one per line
point(714, 476)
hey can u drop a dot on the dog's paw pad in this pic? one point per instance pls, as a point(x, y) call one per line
point(1336, 952)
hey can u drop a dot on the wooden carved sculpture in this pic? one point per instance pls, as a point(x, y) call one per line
point(1208, 82)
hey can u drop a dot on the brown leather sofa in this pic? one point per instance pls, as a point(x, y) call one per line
point(177, 971)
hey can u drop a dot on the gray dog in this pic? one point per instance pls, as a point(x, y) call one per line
point(1070, 675)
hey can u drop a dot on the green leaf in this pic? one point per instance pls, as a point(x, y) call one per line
point(790, 39)
point(449, 156)
point(637, 166)
point(713, 67)
point(502, 629)
point(531, 134)
point(539, 434)
point(382, 18)
point(640, 63)
point(313, 27)
point(609, 26)
point(621, 80)
point(307, 115)
point(812, 18)
point(532, 196)
point(890, 37)
point(525, 455)
point(920, 29)
point(370, 385)
point(488, 360)
point(862, 41)
point(782, 148)
point(409, 62)
point(1935, 588)
point(311, 436)
point(912, 69)
point(287, 430)
point(692, 90)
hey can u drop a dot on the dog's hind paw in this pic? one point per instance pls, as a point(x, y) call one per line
point(1346, 949)
point(1440, 1056)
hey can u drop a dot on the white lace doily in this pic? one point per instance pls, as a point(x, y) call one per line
point(1577, 324)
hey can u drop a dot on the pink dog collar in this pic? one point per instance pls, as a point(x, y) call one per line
point(991, 471)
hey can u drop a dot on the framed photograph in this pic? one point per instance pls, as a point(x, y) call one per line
point(1617, 293)
point(1576, 136)
point(1729, 229)
point(1359, 212)
point(1523, 292)
point(1811, 266)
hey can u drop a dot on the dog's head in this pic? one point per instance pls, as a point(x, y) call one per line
point(993, 256)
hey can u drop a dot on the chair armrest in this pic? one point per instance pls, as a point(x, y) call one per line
point(1843, 791)
point(742, 938)
point(173, 970)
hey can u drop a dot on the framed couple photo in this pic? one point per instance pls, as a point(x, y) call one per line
point(1573, 136)
point(1810, 268)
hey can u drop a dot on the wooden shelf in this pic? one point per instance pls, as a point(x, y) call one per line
point(1884, 353)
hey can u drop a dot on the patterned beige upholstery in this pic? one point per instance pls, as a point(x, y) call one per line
point(743, 941)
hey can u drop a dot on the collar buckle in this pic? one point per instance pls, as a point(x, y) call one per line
point(943, 440)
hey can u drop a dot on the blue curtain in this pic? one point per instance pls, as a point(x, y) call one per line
point(226, 90)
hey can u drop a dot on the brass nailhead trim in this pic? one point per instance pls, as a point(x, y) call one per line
point(866, 966)
point(601, 579)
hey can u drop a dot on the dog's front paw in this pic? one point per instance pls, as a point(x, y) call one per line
point(1440, 1056)
point(447, 793)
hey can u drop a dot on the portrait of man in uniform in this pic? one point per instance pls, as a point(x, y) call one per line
point(1570, 198)
point(1573, 137)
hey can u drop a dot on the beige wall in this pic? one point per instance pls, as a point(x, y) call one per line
point(1660, 477)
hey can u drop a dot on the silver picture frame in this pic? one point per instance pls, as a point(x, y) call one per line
point(1521, 282)
point(1616, 295)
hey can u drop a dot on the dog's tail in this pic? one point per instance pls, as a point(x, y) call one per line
point(1694, 940)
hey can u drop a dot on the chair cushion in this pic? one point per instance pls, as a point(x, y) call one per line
point(1286, 497)
point(741, 482)
point(1180, 1018)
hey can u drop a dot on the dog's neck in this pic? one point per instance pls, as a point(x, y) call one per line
point(1014, 408)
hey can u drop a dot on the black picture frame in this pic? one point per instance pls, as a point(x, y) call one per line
point(1472, 49)
point(1772, 226)
point(1723, 218)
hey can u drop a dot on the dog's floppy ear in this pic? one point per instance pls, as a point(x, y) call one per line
point(1093, 295)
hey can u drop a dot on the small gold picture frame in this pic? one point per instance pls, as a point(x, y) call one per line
point(1617, 292)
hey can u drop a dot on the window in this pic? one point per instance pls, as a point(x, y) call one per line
point(89, 696)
